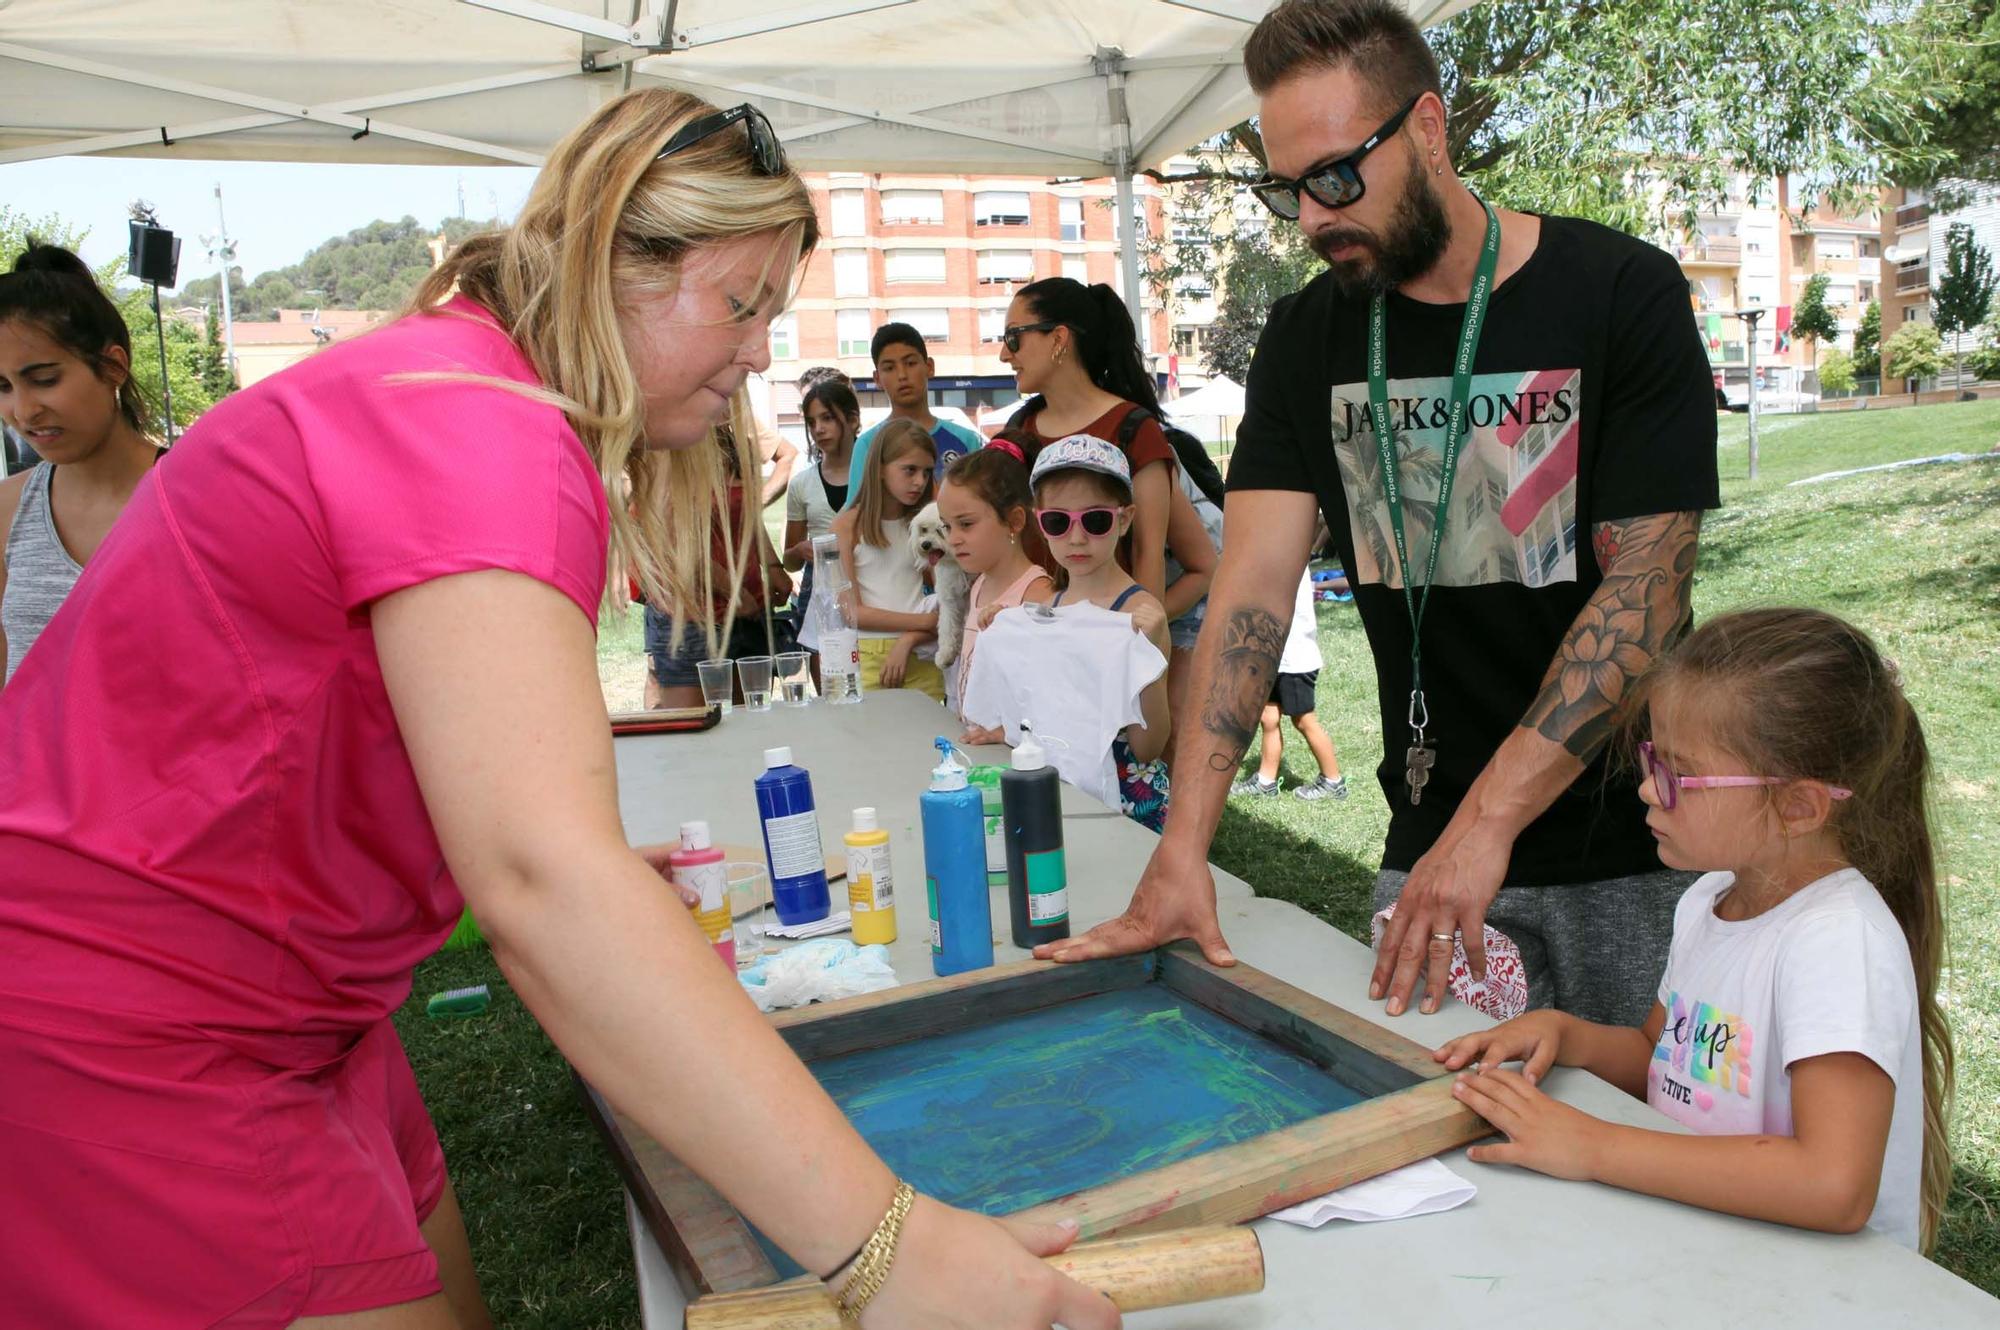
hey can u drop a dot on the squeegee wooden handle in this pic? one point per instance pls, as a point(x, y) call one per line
point(1151, 1270)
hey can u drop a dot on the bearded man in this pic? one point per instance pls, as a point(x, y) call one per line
point(1508, 423)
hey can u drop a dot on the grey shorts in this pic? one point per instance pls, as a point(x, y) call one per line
point(1593, 949)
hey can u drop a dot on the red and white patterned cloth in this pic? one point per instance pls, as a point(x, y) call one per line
point(1503, 994)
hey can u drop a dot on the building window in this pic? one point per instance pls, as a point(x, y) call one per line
point(1077, 268)
point(912, 207)
point(994, 207)
point(848, 217)
point(854, 327)
point(850, 272)
point(1071, 211)
point(992, 323)
point(784, 337)
point(934, 324)
point(1138, 216)
point(1836, 247)
point(1867, 292)
point(1006, 265)
point(1871, 247)
point(913, 265)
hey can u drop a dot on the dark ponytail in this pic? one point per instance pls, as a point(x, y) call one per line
point(55, 291)
point(1105, 338)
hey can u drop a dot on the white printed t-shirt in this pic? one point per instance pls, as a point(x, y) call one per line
point(1075, 674)
point(1826, 971)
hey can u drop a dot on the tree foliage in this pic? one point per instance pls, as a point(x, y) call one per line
point(1965, 125)
point(1264, 265)
point(1915, 351)
point(1868, 341)
point(377, 266)
point(1963, 295)
point(1811, 318)
point(1836, 372)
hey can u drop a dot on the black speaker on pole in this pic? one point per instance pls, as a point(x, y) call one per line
point(155, 254)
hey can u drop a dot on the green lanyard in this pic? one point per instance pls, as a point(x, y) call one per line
point(1422, 755)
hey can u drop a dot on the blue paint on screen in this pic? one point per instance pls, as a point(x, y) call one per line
point(1004, 1116)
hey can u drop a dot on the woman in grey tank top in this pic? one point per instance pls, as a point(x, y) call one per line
point(65, 386)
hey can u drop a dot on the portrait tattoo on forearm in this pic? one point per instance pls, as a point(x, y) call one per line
point(1244, 671)
point(1633, 615)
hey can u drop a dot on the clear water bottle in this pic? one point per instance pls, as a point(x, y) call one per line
point(839, 643)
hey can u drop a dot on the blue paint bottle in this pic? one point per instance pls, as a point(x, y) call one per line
point(792, 848)
point(954, 824)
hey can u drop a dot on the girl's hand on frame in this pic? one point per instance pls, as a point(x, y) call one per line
point(1542, 1133)
point(1534, 1040)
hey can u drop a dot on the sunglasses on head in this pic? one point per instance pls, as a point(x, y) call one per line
point(1055, 522)
point(767, 156)
point(1668, 783)
point(1334, 184)
point(1010, 337)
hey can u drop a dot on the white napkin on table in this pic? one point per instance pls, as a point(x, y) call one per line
point(834, 923)
point(1422, 1188)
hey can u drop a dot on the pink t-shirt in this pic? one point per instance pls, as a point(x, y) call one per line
point(208, 821)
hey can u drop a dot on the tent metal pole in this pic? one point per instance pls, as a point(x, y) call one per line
point(1110, 65)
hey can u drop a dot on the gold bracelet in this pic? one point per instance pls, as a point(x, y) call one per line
point(872, 1267)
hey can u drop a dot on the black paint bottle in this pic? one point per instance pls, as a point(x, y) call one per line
point(1037, 876)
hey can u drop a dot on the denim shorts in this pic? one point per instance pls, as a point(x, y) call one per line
point(674, 662)
point(1187, 628)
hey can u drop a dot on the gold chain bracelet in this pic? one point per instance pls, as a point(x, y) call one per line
point(871, 1269)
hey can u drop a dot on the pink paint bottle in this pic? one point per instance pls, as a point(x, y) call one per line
point(698, 866)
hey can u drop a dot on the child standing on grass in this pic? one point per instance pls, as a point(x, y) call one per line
point(985, 502)
point(1081, 673)
point(1797, 1028)
point(889, 603)
point(1293, 695)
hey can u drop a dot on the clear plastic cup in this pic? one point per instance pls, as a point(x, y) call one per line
point(749, 908)
point(756, 675)
point(717, 682)
point(794, 676)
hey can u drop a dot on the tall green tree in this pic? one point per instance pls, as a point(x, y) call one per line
point(1963, 294)
point(1868, 342)
point(1812, 319)
point(1264, 264)
point(1963, 123)
point(1836, 372)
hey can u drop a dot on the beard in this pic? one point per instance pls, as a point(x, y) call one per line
point(1417, 236)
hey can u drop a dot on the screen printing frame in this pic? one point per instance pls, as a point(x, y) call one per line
point(1409, 1115)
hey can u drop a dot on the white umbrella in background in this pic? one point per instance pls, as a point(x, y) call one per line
point(1207, 411)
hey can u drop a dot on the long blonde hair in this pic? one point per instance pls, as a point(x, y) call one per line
point(1806, 695)
point(605, 217)
point(895, 437)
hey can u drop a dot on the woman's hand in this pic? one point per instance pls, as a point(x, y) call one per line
point(1534, 1040)
point(960, 1271)
point(656, 859)
point(979, 734)
point(1542, 1133)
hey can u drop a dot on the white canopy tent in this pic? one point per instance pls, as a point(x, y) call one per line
point(1060, 87)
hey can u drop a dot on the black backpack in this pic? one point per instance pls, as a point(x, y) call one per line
point(1188, 451)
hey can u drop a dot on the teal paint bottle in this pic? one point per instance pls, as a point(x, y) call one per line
point(1037, 874)
point(961, 916)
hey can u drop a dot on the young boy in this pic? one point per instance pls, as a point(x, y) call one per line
point(1292, 695)
point(903, 370)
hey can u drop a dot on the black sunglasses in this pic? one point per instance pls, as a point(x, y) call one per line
point(1334, 184)
point(1095, 521)
point(1010, 337)
point(767, 156)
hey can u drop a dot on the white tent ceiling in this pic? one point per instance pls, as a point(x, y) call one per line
point(964, 86)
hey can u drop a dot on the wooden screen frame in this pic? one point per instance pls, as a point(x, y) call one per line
point(1410, 1116)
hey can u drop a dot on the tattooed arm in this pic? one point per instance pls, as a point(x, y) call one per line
point(1635, 613)
point(1267, 535)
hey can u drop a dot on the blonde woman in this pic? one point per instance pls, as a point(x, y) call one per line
point(367, 589)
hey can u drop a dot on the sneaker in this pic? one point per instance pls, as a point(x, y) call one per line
point(1252, 786)
point(1322, 789)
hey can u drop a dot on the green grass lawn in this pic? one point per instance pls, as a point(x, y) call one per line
point(1908, 554)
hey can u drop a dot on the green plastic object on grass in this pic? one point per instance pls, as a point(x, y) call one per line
point(466, 936)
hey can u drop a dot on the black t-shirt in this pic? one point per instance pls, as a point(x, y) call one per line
point(1591, 401)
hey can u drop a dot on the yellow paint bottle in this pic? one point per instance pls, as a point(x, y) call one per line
point(871, 894)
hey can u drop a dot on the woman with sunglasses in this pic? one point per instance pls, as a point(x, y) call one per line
point(1074, 348)
point(368, 587)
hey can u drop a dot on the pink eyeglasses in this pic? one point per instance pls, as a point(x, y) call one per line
point(1667, 784)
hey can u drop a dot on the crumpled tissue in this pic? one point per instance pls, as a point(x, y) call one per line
point(1423, 1188)
point(817, 971)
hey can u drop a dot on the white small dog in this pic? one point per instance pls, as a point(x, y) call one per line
point(930, 547)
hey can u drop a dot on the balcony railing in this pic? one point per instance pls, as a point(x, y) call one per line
point(1912, 215)
point(1913, 279)
point(1712, 249)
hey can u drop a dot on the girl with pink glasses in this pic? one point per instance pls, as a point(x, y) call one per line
point(1797, 1030)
